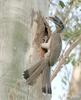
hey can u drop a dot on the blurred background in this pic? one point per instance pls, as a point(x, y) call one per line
point(15, 40)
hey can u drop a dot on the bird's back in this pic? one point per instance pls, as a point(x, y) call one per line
point(55, 48)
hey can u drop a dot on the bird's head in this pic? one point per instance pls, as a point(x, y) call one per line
point(59, 24)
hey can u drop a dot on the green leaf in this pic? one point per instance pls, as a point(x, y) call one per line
point(71, 59)
point(61, 3)
point(73, 62)
point(79, 0)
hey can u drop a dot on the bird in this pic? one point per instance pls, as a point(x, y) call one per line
point(53, 47)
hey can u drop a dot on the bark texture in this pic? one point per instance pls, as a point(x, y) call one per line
point(15, 40)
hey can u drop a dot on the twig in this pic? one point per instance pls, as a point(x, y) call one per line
point(63, 51)
point(66, 54)
point(69, 42)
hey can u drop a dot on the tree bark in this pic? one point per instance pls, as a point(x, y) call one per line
point(15, 40)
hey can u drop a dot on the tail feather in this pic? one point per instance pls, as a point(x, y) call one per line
point(46, 83)
point(37, 72)
point(27, 73)
point(32, 73)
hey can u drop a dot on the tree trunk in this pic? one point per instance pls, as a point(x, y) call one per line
point(15, 40)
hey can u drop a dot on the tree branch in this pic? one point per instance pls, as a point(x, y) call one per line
point(63, 59)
